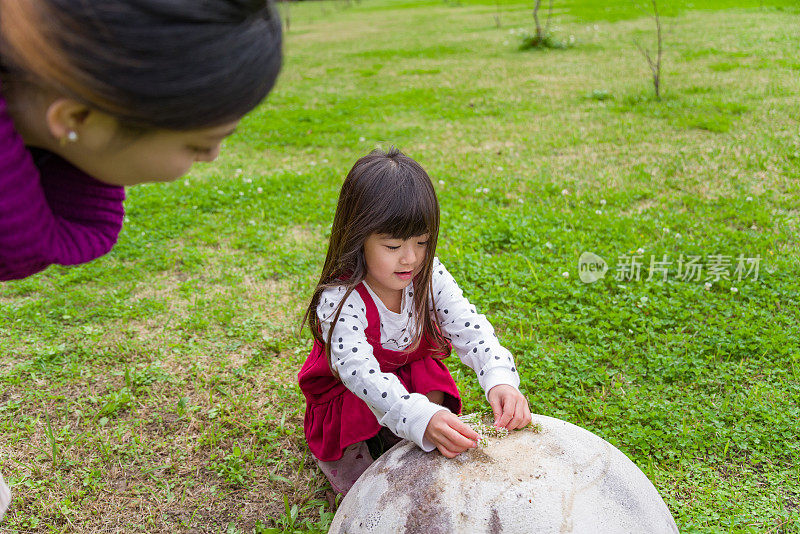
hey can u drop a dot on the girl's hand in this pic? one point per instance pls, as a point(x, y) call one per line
point(450, 435)
point(510, 407)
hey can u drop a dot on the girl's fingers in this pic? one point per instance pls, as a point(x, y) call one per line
point(447, 453)
point(519, 413)
point(522, 417)
point(452, 438)
point(448, 448)
point(497, 408)
point(465, 430)
point(528, 416)
point(507, 415)
point(456, 441)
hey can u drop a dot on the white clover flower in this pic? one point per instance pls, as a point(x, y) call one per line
point(598, 212)
point(484, 430)
point(678, 236)
point(521, 201)
point(238, 172)
point(602, 202)
point(643, 300)
point(565, 192)
point(251, 222)
point(499, 169)
point(260, 190)
point(749, 199)
point(640, 250)
point(665, 230)
point(565, 274)
point(478, 190)
point(441, 182)
point(630, 331)
point(126, 219)
point(485, 190)
point(186, 182)
point(248, 180)
point(362, 139)
point(734, 290)
point(707, 286)
point(241, 194)
point(549, 245)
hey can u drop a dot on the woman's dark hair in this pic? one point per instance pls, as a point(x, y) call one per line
point(390, 194)
point(176, 65)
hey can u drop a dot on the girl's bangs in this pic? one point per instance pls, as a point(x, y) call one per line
point(408, 215)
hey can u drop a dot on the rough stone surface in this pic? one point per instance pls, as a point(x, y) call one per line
point(5, 497)
point(560, 479)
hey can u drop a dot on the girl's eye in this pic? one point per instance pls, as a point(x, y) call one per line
point(390, 247)
point(423, 243)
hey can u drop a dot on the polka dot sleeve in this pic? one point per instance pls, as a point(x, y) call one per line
point(406, 414)
point(470, 333)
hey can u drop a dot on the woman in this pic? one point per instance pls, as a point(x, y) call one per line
point(100, 95)
point(96, 96)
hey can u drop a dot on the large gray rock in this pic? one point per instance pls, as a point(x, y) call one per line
point(560, 479)
point(5, 497)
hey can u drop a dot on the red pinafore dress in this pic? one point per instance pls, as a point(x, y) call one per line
point(336, 418)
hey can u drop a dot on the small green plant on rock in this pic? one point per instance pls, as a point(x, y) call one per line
point(478, 423)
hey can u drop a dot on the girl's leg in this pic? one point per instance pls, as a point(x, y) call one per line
point(344, 472)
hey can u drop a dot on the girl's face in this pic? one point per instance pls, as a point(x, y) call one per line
point(392, 263)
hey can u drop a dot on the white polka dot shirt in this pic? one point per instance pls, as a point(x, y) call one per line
point(408, 414)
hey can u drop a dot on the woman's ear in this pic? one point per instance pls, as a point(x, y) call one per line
point(65, 115)
point(74, 122)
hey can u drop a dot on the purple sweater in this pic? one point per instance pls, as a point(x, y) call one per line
point(50, 211)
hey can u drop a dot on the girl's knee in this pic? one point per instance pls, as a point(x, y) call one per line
point(436, 397)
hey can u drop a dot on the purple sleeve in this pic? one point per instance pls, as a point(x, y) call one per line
point(53, 214)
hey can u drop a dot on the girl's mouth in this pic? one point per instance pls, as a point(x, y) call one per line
point(404, 275)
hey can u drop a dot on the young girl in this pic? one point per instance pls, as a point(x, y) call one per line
point(384, 315)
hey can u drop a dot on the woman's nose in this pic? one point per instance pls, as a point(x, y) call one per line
point(209, 156)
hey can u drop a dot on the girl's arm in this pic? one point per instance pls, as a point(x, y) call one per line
point(471, 334)
point(59, 215)
point(406, 414)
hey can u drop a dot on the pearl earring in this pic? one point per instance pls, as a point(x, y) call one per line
point(71, 136)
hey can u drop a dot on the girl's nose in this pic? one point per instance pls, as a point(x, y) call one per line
point(409, 256)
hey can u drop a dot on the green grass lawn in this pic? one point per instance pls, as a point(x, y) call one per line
point(154, 389)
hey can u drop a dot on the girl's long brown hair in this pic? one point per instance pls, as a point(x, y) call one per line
point(384, 193)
